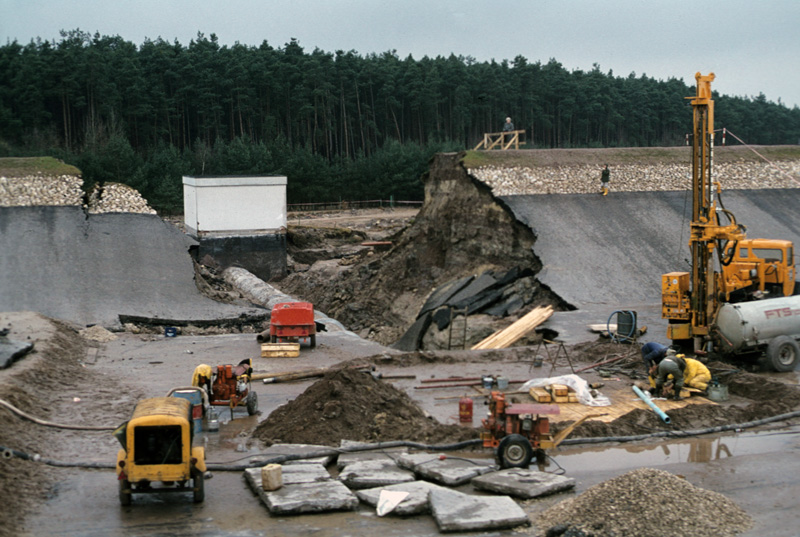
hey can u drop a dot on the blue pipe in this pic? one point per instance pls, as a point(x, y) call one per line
point(651, 404)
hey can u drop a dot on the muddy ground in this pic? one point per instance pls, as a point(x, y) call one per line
point(70, 379)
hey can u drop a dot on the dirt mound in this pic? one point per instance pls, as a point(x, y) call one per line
point(646, 502)
point(461, 230)
point(352, 405)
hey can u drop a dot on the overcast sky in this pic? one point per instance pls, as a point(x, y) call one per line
point(752, 46)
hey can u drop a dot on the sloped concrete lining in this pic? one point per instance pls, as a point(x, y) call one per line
point(416, 503)
point(613, 249)
point(374, 473)
point(303, 498)
point(89, 269)
point(451, 472)
point(456, 511)
point(608, 253)
point(523, 483)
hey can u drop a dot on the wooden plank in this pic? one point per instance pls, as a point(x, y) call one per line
point(508, 336)
point(280, 350)
point(540, 395)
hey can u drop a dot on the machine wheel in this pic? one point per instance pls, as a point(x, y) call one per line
point(312, 340)
point(273, 339)
point(252, 403)
point(514, 451)
point(783, 353)
point(125, 492)
point(199, 487)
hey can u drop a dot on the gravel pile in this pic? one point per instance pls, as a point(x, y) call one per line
point(40, 190)
point(645, 503)
point(118, 198)
point(97, 333)
point(32, 190)
point(584, 179)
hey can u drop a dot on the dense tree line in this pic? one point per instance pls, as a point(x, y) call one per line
point(339, 124)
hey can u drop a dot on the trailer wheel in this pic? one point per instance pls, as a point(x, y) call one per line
point(199, 487)
point(125, 492)
point(514, 451)
point(273, 339)
point(312, 340)
point(783, 353)
point(252, 403)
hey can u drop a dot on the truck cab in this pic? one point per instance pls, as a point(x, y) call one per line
point(757, 268)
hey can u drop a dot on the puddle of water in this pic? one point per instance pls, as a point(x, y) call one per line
point(697, 449)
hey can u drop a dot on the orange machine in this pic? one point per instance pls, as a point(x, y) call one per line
point(726, 265)
point(292, 321)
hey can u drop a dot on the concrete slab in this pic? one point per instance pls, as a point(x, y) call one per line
point(415, 503)
point(384, 455)
point(293, 474)
point(451, 472)
point(374, 473)
point(456, 511)
point(523, 483)
point(11, 351)
point(304, 498)
point(276, 450)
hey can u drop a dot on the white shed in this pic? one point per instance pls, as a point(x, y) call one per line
point(234, 206)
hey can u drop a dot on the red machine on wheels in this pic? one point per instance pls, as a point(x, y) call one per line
point(291, 321)
point(228, 385)
point(521, 431)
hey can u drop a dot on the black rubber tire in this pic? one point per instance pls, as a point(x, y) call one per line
point(199, 487)
point(252, 403)
point(312, 340)
point(273, 339)
point(783, 353)
point(125, 492)
point(514, 451)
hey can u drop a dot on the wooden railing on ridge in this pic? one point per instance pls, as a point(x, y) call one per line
point(501, 140)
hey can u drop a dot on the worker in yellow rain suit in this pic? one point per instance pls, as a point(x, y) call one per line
point(695, 374)
point(202, 377)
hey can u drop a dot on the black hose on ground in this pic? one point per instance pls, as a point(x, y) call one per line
point(34, 419)
point(8, 453)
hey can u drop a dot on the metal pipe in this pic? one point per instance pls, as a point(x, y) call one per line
point(651, 404)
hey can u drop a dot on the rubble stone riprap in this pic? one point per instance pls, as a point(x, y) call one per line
point(40, 189)
point(33, 190)
point(585, 179)
point(118, 198)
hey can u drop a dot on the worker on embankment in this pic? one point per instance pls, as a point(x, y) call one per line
point(605, 177)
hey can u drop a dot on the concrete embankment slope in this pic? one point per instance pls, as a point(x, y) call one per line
point(89, 269)
point(603, 254)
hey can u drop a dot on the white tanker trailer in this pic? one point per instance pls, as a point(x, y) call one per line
point(770, 326)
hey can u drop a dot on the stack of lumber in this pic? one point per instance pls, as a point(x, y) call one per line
point(554, 393)
point(508, 336)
